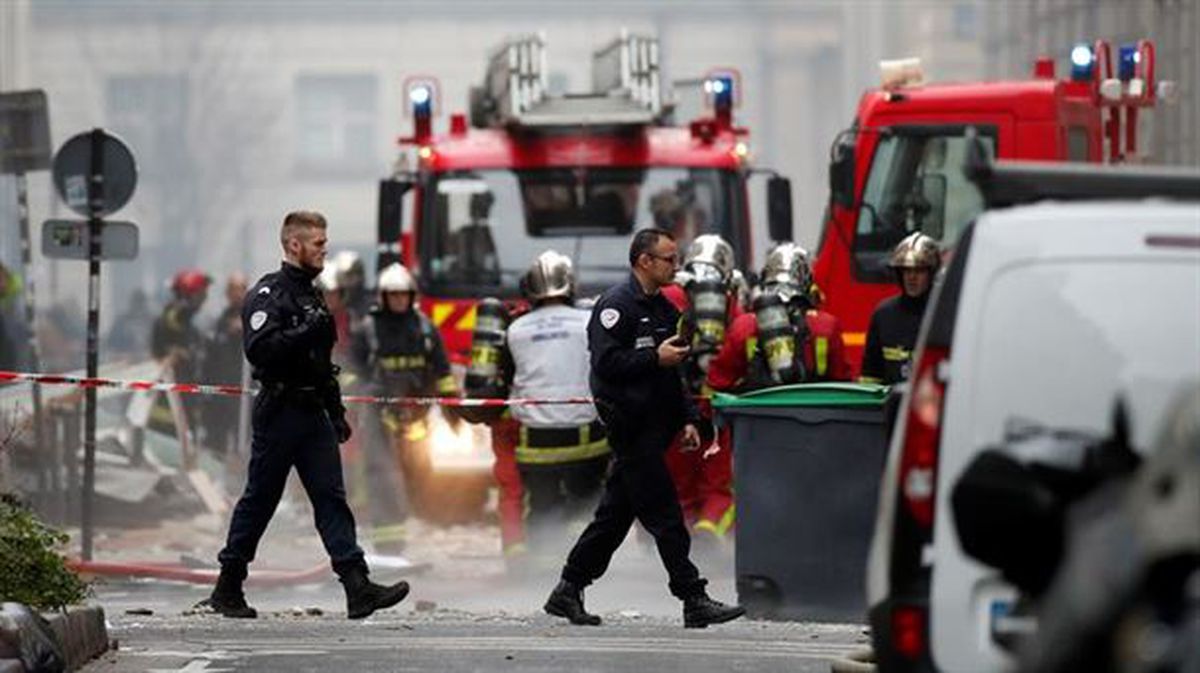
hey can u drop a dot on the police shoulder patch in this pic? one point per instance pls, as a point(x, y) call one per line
point(266, 289)
point(258, 319)
point(609, 317)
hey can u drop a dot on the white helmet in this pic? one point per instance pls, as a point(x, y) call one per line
point(396, 278)
point(348, 266)
point(327, 279)
point(711, 250)
point(551, 275)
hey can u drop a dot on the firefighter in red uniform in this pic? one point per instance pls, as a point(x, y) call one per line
point(706, 293)
point(786, 339)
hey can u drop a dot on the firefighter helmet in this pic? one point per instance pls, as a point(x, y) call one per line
point(916, 251)
point(396, 278)
point(713, 251)
point(327, 279)
point(787, 264)
point(348, 266)
point(190, 282)
point(551, 275)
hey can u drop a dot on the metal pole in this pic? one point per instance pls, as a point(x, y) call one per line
point(35, 359)
point(95, 231)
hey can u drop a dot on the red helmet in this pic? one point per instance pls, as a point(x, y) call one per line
point(190, 282)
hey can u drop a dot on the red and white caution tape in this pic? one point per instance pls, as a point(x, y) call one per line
point(238, 391)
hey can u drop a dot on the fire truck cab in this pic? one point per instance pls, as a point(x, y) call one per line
point(899, 167)
point(528, 171)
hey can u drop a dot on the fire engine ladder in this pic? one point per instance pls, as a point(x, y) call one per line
point(625, 80)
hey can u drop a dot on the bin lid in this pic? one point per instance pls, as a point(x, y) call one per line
point(808, 395)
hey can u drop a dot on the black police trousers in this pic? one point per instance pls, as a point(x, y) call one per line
point(639, 488)
point(289, 433)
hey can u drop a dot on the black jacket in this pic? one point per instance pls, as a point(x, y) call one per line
point(624, 333)
point(401, 353)
point(891, 338)
point(288, 335)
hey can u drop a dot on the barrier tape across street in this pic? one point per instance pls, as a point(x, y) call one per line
point(238, 391)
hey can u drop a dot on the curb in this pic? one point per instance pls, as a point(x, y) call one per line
point(80, 632)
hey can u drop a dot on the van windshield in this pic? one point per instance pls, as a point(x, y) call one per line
point(485, 227)
point(916, 183)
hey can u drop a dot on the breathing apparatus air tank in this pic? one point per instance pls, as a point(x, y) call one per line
point(777, 340)
point(487, 371)
point(710, 305)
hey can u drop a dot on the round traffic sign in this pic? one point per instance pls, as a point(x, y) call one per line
point(114, 174)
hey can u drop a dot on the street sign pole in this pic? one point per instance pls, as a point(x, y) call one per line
point(27, 273)
point(95, 193)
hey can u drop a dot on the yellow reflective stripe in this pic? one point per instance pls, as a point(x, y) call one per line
point(440, 312)
point(896, 353)
point(516, 549)
point(822, 355)
point(726, 521)
point(751, 347)
point(394, 362)
point(467, 322)
point(392, 533)
point(416, 431)
point(869, 379)
point(705, 524)
point(854, 338)
point(562, 454)
point(446, 385)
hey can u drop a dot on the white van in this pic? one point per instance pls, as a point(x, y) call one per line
point(1046, 314)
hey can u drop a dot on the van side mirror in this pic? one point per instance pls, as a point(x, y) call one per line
point(390, 220)
point(841, 171)
point(779, 209)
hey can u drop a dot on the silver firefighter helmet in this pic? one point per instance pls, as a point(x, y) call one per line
point(551, 275)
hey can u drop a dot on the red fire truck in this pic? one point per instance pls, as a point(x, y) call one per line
point(898, 168)
point(528, 170)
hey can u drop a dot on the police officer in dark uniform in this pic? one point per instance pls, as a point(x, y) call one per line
point(892, 334)
point(637, 387)
point(288, 336)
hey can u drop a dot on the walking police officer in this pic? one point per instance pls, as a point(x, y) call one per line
point(636, 385)
point(298, 420)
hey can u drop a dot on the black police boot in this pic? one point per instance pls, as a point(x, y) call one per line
point(699, 611)
point(567, 601)
point(364, 597)
point(227, 598)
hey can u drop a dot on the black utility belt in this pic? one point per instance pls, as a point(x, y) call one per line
point(558, 437)
point(304, 395)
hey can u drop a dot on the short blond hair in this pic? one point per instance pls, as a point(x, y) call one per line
point(297, 220)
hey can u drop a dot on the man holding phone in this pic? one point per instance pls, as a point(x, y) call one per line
point(639, 394)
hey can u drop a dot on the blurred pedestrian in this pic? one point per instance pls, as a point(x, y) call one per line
point(352, 283)
point(299, 420)
point(400, 354)
point(638, 392)
point(178, 345)
point(223, 365)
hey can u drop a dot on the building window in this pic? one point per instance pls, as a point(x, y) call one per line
point(336, 117)
point(149, 112)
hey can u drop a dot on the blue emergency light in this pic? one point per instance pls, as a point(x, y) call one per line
point(1083, 60)
point(422, 100)
point(1128, 56)
point(721, 90)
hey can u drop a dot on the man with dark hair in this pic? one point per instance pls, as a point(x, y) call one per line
point(299, 420)
point(638, 392)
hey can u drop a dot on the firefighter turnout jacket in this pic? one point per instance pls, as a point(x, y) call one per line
point(891, 337)
point(741, 365)
point(402, 354)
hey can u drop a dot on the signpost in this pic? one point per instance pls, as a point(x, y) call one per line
point(95, 175)
point(25, 147)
